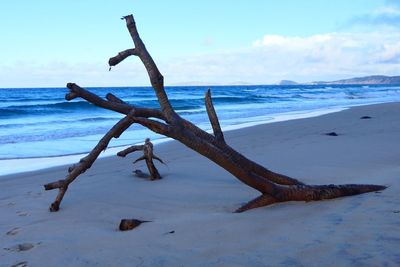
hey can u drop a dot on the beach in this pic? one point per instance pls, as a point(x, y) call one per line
point(191, 209)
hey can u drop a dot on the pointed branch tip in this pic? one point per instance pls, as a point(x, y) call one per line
point(212, 116)
point(125, 17)
point(70, 85)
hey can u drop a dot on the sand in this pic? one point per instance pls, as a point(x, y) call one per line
point(190, 210)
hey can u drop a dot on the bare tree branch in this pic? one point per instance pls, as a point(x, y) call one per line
point(260, 201)
point(86, 162)
point(157, 158)
point(153, 125)
point(212, 115)
point(113, 98)
point(139, 159)
point(124, 108)
point(129, 150)
point(156, 79)
point(121, 56)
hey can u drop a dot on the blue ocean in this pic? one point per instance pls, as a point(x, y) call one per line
point(39, 122)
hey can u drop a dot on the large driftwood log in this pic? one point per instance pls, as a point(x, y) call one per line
point(273, 187)
point(148, 156)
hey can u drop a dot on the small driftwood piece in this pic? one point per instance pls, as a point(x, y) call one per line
point(129, 224)
point(148, 156)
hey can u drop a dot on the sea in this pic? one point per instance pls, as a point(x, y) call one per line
point(39, 128)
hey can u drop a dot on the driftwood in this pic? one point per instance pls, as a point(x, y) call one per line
point(273, 187)
point(129, 224)
point(148, 156)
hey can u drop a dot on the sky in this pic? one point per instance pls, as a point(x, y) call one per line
point(47, 43)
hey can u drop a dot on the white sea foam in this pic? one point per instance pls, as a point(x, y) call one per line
point(60, 128)
point(11, 166)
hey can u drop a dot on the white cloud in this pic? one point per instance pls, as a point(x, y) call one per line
point(387, 16)
point(58, 74)
point(276, 57)
point(387, 10)
point(294, 42)
point(372, 47)
point(270, 59)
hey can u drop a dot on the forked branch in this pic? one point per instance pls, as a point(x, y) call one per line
point(274, 187)
point(148, 156)
point(156, 79)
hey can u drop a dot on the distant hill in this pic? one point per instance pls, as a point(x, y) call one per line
point(287, 82)
point(374, 79)
point(194, 83)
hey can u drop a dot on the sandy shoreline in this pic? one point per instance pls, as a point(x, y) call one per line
point(196, 197)
point(28, 164)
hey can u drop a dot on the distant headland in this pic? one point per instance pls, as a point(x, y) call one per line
point(373, 79)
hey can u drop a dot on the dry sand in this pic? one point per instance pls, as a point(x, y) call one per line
point(191, 208)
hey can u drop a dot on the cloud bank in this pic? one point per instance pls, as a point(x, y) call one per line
point(269, 59)
point(275, 57)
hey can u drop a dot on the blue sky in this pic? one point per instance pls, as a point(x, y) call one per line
point(50, 43)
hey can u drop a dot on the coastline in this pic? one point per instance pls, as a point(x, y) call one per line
point(22, 165)
point(31, 127)
point(190, 209)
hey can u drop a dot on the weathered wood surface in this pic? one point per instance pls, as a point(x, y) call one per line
point(274, 187)
point(148, 156)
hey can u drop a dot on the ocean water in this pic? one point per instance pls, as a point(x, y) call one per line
point(39, 122)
